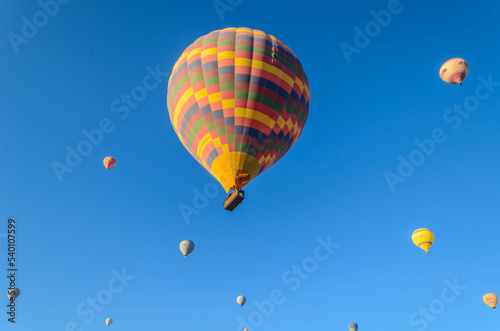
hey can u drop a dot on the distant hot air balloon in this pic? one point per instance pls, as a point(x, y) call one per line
point(238, 100)
point(109, 162)
point(423, 238)
point(245, 329)
point(109, 321)
point(454, 71)
point(13, 293)
point(353, 326)
point(491, 300)
point(186, 247)
point(241, 300)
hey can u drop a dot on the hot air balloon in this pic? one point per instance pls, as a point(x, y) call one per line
point(245, 329)
point(423, 238)
point(186, 247)
point(491, 300)
point(241, 300)
point(13, 293)
point(353, 326)
point(238, 100)
point(454, 71)
point(109, 162)
point(109, 321)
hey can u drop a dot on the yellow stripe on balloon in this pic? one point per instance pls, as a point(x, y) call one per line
point(248, 30)
point(209, 51)
point(188, 94)
point(281, 122)
point(258, 64)
point(203, 143)
point(258, 116)
point(194, 52)
point(260, 34)
point(228, 103)
point(277, 72)
point(217, 142)
point(201, 94)
point(214, 97)
point(308, 94)
point(299, 83)
point(243, 62)
point(239, 112)
point(225, 55)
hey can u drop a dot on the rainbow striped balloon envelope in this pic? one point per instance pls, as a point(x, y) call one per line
point(238, 100)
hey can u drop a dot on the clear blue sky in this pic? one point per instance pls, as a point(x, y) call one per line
point(72, 233)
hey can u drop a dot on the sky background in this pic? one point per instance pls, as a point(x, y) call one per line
point(74, 234)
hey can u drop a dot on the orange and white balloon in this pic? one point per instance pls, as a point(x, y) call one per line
point(454, 71)
point(109, 162)
point(491, 300)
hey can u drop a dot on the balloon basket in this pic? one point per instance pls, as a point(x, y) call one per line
point(234, 199)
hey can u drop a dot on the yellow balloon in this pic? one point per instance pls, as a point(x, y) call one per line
point(454, 71)
point(423, 238)
point(491, 300)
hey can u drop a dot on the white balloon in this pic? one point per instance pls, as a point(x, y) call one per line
point(241, 300)
point(13, 293)
point(186, 246)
